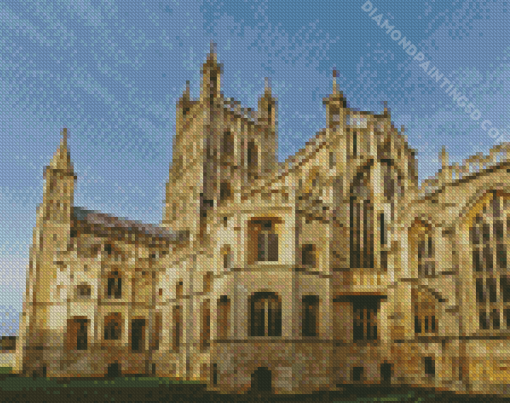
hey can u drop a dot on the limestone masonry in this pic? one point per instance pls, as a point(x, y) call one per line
point(333, 267)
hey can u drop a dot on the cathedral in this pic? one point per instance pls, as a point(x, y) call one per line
point(333, 267)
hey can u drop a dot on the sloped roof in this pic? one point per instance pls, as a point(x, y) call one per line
point(92, 217)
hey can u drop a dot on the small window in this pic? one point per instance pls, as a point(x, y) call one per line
point(308, 256)
point(114, 285)
point(430, 366)
point(332, 160)
point(225, 192)
point(267, 243)
point(208, 279)
point(310, 326)
point(179, 289)
point(108, 248)
point(228, 144)
point(84, 290)
point(112, 327)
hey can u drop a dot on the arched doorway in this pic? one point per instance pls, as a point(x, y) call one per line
point(114, 370)
point(386, 372)
point(261, 381)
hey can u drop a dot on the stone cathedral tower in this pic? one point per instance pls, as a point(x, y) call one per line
point(333, 267)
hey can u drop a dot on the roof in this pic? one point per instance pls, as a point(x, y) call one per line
point(92, 217)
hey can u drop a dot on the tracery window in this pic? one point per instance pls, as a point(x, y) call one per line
point(112, 327)
point(488, 235)
point(365, 319)
point(361, 223)
point(422, 252)
point(425, 316)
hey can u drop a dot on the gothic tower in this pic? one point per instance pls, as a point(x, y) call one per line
point(51, 234)
point(191, 187)
point(267, 118)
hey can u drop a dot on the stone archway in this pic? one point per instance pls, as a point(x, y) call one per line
point(261, 380)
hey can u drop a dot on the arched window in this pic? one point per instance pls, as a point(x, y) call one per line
point(205, 331)
point(156, 331)
point(228, 144)
point(179, 289)
point(365, 319)
point(308, 255)
point(112, 327)
point(425, 316)
point(208, 280)
point(361, 223)
point(114, 285)
point(137, 335)
point(422, 249)
point(223, 317)
point(253, 157)
point(225, 191)
point(177, 327)
point(426, 262)
point(310, 305)
point(265, 314)
point(77, 333)
point(489, 239)
point(83, 291)
point(227, 257)
point(264, 240)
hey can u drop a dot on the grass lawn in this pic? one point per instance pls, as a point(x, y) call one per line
point(27, 383)
point(5, 370)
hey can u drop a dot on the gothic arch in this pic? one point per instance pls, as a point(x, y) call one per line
point(473, 200)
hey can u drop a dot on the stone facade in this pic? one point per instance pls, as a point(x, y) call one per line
point(332, 267)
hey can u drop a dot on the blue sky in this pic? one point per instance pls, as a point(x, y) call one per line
point(112, 72)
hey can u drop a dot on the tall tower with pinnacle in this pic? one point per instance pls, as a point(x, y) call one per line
point(51, 234)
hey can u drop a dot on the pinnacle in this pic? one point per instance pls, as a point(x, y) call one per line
point(61, 159)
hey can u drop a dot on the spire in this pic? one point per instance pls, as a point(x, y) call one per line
point(212, 52)
point(267, 89)
point(335, 87)
point(186, 94)
point(336, 96)
point(444, 158)
point(61, 159)
point(386, 111)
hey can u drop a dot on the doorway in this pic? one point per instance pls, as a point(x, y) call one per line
point(114, 370)
point(137, 335)
point(386, 373)
point(357, 374)
point(261, 380)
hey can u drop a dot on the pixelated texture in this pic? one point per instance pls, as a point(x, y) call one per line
point(336, 266)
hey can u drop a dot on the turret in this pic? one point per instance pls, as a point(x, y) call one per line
point(444, 158)
point(59, 191)
point(51, 235)
point(211, 76)
point(335, 106)
point(268, 120)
